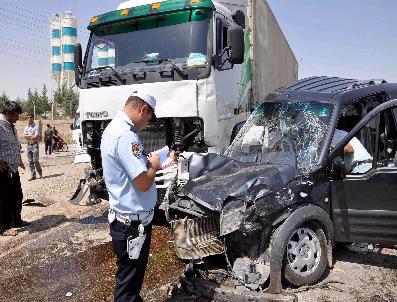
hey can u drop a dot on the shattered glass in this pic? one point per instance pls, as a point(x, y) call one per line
point(283, 133)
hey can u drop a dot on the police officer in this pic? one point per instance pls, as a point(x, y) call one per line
point(129, 176)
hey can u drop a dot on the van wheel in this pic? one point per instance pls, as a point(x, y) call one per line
point(305, 257)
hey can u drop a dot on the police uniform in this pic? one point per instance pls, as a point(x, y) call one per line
point(123, 159)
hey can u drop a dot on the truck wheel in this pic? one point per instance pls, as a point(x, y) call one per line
point(305, 257)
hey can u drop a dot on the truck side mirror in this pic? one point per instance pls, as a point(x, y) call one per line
point(78, 61)
point(235, 42)
point(338, 167)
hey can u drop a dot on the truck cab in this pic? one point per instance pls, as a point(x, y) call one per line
point(315, 164)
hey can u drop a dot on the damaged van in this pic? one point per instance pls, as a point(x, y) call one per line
point(315, 164)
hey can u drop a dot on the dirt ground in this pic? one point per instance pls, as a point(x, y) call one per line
point(65, 254)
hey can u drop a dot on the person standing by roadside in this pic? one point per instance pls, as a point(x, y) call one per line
point(10, 159)
point(48, 139)
point(129, 176)
point(55, 139)
point(31, 133)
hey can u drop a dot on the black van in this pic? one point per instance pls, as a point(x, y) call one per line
point(315, 164)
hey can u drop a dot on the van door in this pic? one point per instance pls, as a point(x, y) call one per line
point(364, 201)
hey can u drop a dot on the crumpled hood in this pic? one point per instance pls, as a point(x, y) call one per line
point(226, 177)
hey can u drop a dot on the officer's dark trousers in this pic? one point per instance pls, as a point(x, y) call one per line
point(130, 273)
point(10, 200)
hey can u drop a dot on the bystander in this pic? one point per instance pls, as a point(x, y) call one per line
point(10, 159)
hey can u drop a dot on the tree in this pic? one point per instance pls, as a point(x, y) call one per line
point(44, 105)
point(28, 105)
point(66, 101)
point(3, 99)
point(37, 103)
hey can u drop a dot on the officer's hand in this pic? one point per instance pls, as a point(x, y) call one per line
point(172, 155)
point(3, 166)
point(154, 161)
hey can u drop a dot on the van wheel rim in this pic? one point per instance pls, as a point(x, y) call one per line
point(303, 251)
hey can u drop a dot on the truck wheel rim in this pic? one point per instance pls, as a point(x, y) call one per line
point(303, 251)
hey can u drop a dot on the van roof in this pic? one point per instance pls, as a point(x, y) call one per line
point(332, 89)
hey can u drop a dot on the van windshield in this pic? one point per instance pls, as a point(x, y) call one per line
point(283, 133)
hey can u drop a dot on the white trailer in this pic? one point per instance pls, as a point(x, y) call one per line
point(206, 62)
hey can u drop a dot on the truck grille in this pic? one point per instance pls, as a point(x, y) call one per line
point(153, 137)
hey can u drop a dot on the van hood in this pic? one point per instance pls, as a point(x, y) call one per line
point(218, 178)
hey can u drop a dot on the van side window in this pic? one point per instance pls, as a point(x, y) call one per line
point(387, 146)
point(359, 152)
point(221, 43)
point(353, 112)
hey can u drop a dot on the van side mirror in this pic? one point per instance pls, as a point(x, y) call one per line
point(235, 42)
point(338, 167)
point(78, 62)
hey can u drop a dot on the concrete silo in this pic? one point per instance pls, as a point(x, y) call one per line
point(69, 37)
point(56, 48)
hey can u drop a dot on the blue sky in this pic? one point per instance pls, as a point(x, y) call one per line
point(349, 38)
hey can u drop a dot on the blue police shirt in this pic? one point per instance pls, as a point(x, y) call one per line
point(123, 159)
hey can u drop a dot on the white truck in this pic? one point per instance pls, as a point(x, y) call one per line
point(206, 62)
point(80, 152)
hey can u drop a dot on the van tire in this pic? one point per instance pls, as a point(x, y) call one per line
point(305, 256)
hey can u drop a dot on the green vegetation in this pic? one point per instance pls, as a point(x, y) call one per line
point(65, 103)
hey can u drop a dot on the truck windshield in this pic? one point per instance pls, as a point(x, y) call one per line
point(124, 46)
point(283, 133)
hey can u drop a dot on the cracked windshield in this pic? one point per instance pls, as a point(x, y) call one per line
point(283, 133)
point(126, 46)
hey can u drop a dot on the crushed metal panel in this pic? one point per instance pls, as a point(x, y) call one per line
point(196, 238)
point(232, 216)
point(242, 180)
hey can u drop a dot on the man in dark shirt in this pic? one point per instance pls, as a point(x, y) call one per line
point(48, 139)
point(10, 183)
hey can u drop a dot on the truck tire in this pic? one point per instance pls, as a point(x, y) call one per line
point(305, 257)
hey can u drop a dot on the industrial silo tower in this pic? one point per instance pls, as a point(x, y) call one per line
point(69, 37)
point(56, 48)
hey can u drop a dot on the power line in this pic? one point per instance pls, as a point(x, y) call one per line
point(22, 57)
point(24, 43)
point(22, 9)
point(29, 32)
point(19, 21)
point(13, 13)
point(14, 46)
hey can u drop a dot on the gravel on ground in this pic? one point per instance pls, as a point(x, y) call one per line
point(65, 253)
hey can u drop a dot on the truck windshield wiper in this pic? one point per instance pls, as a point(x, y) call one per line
point(178, 69)
point(118, 75)
point(175, 67)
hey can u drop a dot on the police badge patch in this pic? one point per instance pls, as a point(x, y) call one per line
point(136, 149)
